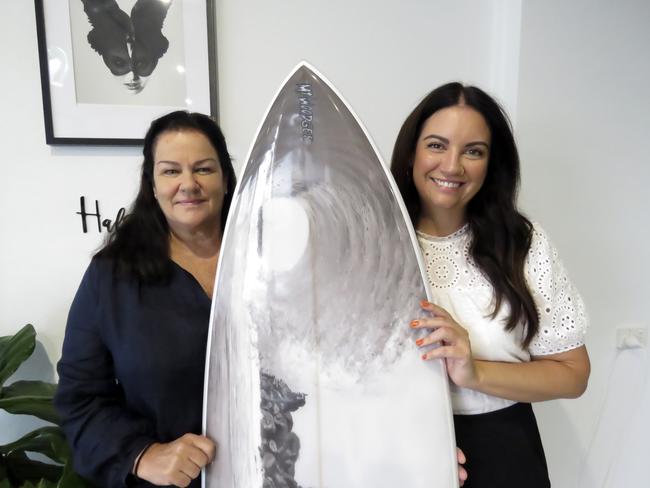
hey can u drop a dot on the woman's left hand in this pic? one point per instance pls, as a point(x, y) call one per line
point(454, 344)
point(462, 472)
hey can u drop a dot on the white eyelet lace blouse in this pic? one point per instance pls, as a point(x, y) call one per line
point(461, 288)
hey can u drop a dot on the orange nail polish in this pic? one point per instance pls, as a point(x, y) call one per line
point(415, 323)
point(419, 342)
point(424, 303)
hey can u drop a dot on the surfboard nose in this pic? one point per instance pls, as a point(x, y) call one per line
point(309, 121)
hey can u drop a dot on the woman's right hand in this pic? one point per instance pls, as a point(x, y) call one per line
point(176, 463)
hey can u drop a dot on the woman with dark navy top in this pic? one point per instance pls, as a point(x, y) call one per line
point(131, 374)
point(509, 323)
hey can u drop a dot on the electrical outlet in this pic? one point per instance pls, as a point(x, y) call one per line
point(631, 337)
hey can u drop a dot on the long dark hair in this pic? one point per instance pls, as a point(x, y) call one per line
point(139, 246)
point(501, 236)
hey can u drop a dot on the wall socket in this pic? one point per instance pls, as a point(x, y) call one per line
point(631, 337)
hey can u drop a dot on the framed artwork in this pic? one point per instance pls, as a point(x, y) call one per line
point(109, 67)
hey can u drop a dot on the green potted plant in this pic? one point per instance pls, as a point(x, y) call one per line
point(32, 398)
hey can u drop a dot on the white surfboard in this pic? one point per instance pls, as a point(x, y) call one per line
point(312, 376)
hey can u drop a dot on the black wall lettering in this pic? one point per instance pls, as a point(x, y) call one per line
point(108, 224)
point(84, 214)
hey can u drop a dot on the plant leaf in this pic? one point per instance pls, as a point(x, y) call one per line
point(4, 476)
point(47, 484)
point(22, 470)
point(49, 441)
point(14, 350)
point(30, 398)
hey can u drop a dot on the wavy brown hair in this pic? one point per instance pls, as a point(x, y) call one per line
point(501, 235)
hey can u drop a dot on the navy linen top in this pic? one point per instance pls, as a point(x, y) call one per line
point(132, 368)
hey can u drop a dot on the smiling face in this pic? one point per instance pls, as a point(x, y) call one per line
point(450, 165)
point(188, 181)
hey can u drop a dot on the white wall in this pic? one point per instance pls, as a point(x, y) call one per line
point(577, 93)
point(382, 56)
point(584, 134)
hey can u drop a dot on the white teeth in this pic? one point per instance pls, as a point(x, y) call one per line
point(446, 184)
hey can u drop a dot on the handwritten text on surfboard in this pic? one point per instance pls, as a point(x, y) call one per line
point(305, 111)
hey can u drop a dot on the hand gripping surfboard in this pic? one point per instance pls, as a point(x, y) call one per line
point(312, 376)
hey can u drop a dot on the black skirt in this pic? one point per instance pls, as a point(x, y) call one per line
point(503, 449)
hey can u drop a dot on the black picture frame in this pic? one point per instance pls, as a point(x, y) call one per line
point(69, 121)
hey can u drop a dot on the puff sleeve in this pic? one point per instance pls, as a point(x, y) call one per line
point(563, 319)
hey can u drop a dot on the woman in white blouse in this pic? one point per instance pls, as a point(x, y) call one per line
point(508, 322)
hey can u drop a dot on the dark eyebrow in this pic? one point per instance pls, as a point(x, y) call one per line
point(478, 143)
point(195, 162)
point(435, 136)
point(446, 141)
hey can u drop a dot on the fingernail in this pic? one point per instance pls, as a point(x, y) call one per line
point(419, 342)
point(424, 356)
point(424, 303)
point(415, 323)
